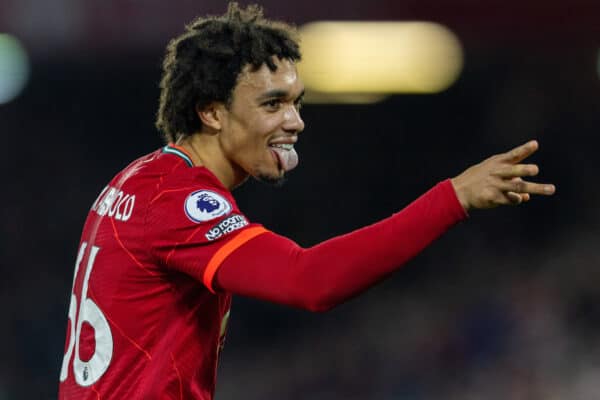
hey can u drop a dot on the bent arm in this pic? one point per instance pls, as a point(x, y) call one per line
point(273, 268)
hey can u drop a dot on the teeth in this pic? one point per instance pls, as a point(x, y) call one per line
point(285, 146)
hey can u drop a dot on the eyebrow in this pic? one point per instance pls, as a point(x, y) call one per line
point(277, 94)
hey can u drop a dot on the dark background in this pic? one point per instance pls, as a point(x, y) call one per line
point(505, 306)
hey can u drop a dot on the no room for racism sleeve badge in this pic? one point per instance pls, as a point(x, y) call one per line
point(204, 205)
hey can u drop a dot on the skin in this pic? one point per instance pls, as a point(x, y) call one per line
point(265, 107)
point(498, 180)
point(234, 141)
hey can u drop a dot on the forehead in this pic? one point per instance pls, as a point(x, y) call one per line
point(285, 78)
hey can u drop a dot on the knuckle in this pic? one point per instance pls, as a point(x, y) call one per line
point(487, 194)
point(519, 170)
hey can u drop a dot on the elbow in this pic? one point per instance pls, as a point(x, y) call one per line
point(319, 302)
point(312, 292)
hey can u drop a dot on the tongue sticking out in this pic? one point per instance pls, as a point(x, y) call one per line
point(288, 159)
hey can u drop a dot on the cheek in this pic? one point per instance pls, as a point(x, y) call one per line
point(245, 147)
point(245, 136)
point(246, 141)
point(255, 134)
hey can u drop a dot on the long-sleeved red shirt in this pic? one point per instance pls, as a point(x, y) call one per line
point(273, 268)
point(145, 320)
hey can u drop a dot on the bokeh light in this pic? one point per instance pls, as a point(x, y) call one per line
point(14, 67)
point(350, 58)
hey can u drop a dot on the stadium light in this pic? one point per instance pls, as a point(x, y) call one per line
point(372, 59)
point(14, 67)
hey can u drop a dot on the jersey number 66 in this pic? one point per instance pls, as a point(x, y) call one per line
point(87, 372)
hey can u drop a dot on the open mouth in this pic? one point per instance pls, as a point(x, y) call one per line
point(285, 154)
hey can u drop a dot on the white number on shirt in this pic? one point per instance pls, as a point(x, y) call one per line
point(87, 372)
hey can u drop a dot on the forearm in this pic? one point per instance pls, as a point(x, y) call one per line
point(273, 268)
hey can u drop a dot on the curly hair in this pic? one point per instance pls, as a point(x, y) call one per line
point(203, 64)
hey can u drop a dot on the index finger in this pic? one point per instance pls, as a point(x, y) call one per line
point(521, 152)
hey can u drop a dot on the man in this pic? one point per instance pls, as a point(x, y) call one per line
point(165, 245)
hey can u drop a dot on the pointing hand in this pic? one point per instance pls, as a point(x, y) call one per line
point(498, 180)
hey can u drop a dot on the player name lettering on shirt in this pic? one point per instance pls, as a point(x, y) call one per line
point(114, 203)
point(228, 225)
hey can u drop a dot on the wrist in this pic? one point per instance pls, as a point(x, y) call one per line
point(460, 194)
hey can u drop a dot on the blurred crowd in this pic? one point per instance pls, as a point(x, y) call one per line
point(495, 329)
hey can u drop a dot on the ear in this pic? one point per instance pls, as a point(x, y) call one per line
point(211, 115)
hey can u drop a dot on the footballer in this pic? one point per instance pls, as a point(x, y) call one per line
point(165, 246)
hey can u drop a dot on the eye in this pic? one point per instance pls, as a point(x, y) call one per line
point(272, 105)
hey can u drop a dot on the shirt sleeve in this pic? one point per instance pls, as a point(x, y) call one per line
point(276, 269)
point(193, 228)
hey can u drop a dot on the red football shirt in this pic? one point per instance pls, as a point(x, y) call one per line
point(142, 322)
point(145, 321)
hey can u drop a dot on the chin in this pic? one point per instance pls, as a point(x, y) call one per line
point(271, 180)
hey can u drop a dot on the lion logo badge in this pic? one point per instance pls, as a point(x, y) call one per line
point(204, 205)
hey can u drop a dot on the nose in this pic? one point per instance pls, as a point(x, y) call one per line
point(293, 122)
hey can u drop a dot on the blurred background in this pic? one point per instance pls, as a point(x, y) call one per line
point(505, 306)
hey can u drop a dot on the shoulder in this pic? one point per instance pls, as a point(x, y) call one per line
point(193, 198)
point(165, 170)
point(196, 195)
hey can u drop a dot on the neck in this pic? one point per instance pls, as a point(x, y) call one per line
point(205, 150)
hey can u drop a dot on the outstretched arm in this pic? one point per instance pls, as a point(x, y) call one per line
point(274, 268)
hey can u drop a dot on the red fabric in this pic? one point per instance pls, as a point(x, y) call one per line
point(146, 280)
point(142, 325)
point(274, 268)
